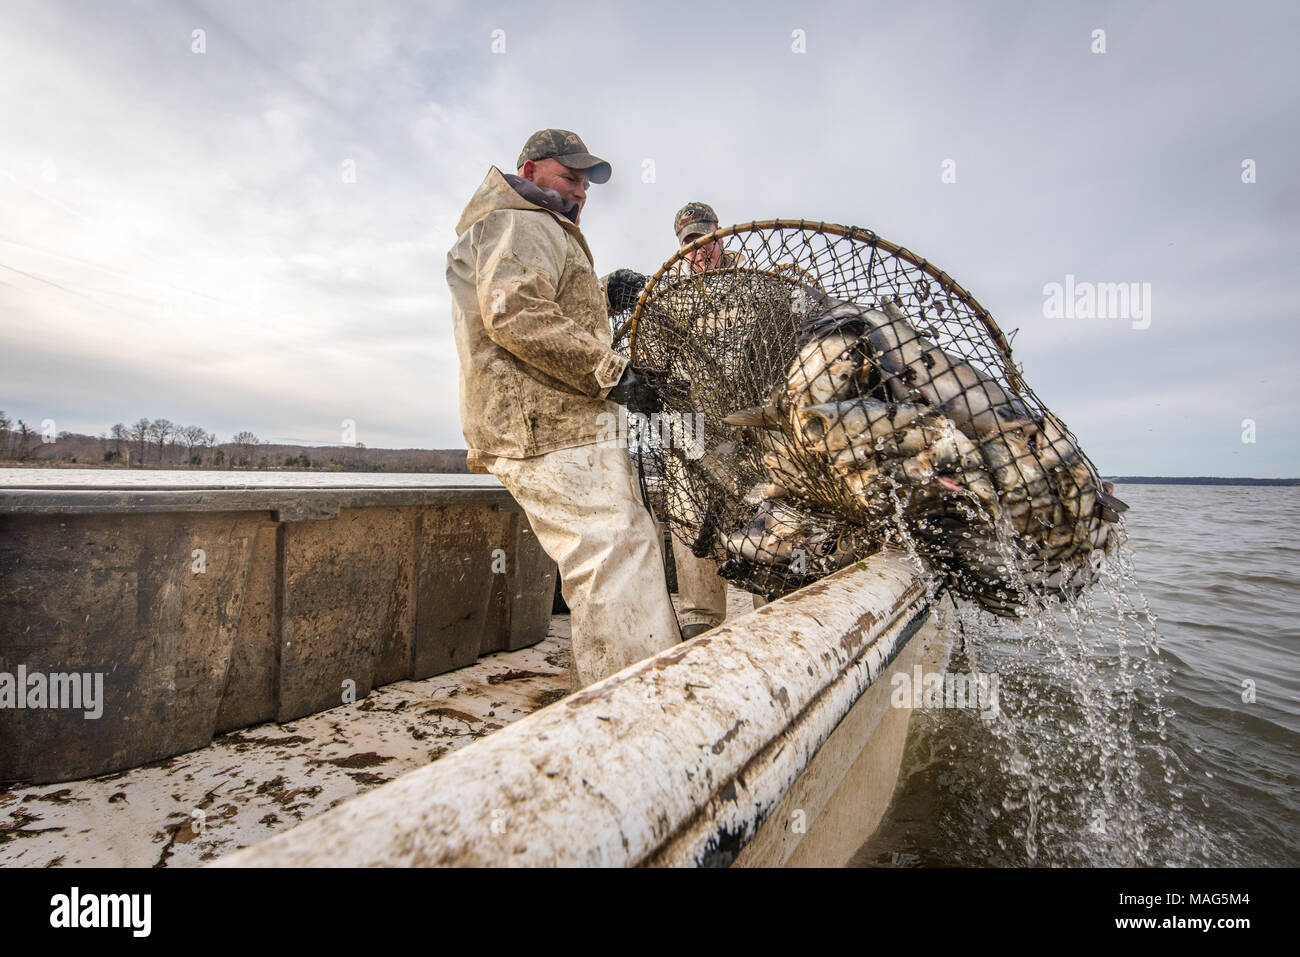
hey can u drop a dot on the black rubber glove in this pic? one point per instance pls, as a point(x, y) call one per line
point(622, 289)
point(635, 391)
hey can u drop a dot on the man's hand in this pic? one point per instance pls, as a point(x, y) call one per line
point(622, 289)
point(635, 391)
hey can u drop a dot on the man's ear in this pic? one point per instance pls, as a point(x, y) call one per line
point(528, 170)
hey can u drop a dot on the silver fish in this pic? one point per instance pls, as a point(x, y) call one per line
point(1053, 443)
point(975, 402)
point(761, 491)
point(835, 426)
point(773, 536)
point(916, 445)
point(781, 459)
point(825, 370)
point(1111, 508)
point(1076, 486)
point(772, 416)
point(873, 489)
point(1013, 466)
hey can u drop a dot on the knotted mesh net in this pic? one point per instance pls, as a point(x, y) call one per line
point(825, 393)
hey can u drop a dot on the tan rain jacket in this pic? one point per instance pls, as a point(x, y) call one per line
point(532, 328)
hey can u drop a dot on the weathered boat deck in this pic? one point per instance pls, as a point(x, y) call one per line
point(253, 783)
point(770, 741)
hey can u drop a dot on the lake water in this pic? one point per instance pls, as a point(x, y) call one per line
point(1198, 762)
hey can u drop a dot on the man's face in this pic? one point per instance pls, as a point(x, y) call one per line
point(572, 184)
point(708, 256)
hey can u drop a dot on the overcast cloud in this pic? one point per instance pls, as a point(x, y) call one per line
point(179, 239)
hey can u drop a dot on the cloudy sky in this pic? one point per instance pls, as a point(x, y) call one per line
point(246, 228)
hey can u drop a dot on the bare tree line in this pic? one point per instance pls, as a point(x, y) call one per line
point(161, 443)
point(165, 442)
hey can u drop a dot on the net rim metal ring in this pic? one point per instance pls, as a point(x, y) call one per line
point(852, 233)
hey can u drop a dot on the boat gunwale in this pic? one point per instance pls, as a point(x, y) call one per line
point(71, 500)
point(637, 769)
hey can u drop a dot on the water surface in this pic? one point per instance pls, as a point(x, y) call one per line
point(1110, 754)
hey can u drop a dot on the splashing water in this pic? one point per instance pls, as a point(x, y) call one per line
point(1074, 762)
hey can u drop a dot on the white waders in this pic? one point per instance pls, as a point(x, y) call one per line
point(585, 508)
point(701, 593)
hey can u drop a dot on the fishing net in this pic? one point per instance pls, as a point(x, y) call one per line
point(825, 393)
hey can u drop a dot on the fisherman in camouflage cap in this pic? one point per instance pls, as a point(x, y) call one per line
point(567, 149)
point(703, 595)
point(693, 221)
point(539, 380)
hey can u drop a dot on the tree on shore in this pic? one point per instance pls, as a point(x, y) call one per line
point(247, 444)
point(160, 430)
point(192, 435)
point(120, 435)
point(139, 434)
point(24, 434)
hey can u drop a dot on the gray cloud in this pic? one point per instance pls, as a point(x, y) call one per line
point(179, 238)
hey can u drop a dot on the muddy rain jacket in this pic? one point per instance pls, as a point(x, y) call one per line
point(532, 328)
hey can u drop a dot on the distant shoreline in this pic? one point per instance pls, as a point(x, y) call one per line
point(155, 467)
point(1195, 480)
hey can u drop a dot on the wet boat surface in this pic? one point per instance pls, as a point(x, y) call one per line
point(256, 782)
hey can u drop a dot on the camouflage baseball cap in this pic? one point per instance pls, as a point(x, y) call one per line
point(696, 218)
point(565, 147)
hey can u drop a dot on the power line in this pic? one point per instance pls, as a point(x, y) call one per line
point(106, 268)
point(85, 294)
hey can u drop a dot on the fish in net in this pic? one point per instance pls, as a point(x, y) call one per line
point(826, 393)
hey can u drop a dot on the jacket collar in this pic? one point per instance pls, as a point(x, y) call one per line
point(496, 193)
point(543, 197)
